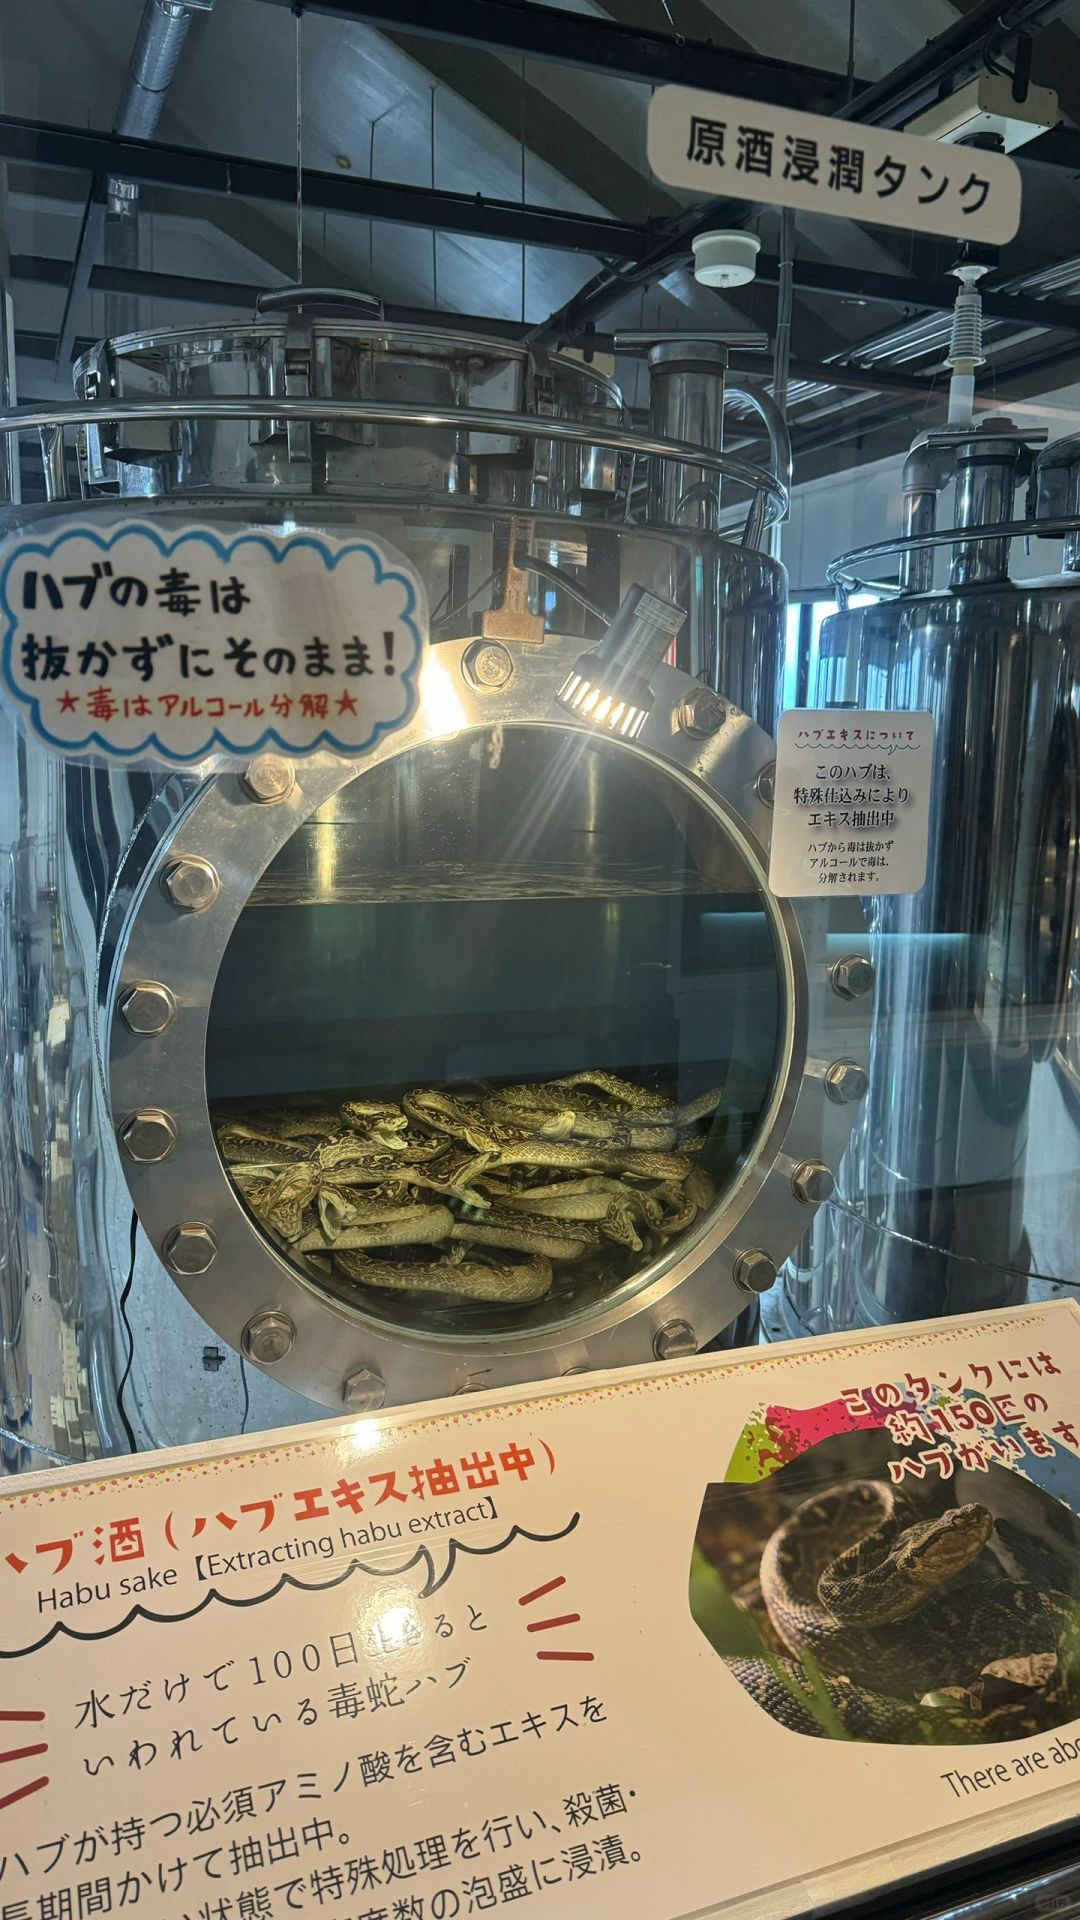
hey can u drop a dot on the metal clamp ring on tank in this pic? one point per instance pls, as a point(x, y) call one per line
point(185, 936)
point(51, 421)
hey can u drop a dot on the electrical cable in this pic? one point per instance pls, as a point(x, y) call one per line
point(526, 563)
point(125, 1376)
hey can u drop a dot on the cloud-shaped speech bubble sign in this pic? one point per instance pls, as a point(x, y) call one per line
point(135, 640)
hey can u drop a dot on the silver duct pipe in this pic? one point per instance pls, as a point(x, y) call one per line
point(159, 43)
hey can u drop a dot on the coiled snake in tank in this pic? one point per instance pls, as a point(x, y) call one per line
point(881, 1619)
point(436, 1192)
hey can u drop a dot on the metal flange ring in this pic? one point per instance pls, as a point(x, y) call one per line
point(209, 1243)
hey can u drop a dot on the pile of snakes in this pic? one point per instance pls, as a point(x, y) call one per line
point(874, 1624)
point(484, 1194)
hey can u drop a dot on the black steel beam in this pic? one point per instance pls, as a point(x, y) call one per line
point(147, 283)
point(150, 163)
point(597, 45)
point(811, 276)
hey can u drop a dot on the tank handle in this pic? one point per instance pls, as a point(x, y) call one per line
point(287, 299)
point(757, 395)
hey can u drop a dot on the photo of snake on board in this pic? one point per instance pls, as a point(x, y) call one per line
point(944, 1613)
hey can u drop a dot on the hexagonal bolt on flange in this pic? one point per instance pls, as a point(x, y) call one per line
point(148, 1135)
point(364, 1391)
point(754, 1271)
point(846, 1082)
point(676, 1341)
point(701, 713)
point(765, 784)
point(488, 665)
point(813, 1182)
point(191, 884)
point(268, 779)
point(190, 1248)
point(852, 976)
point(268, 1337)
point(147, 1007)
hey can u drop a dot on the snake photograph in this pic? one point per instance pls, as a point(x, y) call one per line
point(849, 1610)
point(480, 1195)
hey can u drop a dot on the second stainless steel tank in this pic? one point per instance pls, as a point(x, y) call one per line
point(960, 1188)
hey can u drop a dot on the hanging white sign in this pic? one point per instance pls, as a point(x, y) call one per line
point(715, 144)
point(851, 810)
point(142, 641)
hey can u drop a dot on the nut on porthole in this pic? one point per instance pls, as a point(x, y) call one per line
point(846, 1082)
point(701, 713)
point(192, 884)
point(268, 779)
point(487, 664)
point(765, 784)
point(148, 1135)
point(754, 1271)
point(675, 1341)
point(364, 1391)
point(147, 1007)
point(268, 1338)
point(813, 1182)
point(852, 976)
point(190, 1248)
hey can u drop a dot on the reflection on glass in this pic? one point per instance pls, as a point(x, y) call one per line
point(495, 1031)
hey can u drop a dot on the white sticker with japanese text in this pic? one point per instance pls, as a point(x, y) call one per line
point(139, 641)
point(851, 812)
point(713, 143)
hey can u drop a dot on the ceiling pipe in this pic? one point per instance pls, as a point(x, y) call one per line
point(155, 56)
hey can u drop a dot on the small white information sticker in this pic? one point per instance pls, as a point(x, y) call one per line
point(851, 813)
point(172, 643)
point(713, 143)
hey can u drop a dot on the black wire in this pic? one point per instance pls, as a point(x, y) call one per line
point(247, 1395)
point(128, 1429)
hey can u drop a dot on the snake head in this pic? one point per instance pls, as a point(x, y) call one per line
point(934, 1551)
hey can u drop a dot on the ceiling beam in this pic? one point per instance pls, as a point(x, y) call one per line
point(818, 277)
point(152, 163)
point(597, 45)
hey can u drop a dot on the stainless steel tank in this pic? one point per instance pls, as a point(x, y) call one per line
point(508, 893)
point(960, 1187)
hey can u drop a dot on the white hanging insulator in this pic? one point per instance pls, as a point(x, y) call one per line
point(965, 339)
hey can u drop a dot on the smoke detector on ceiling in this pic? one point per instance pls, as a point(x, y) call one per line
point(726, 259)
point(986, 106)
